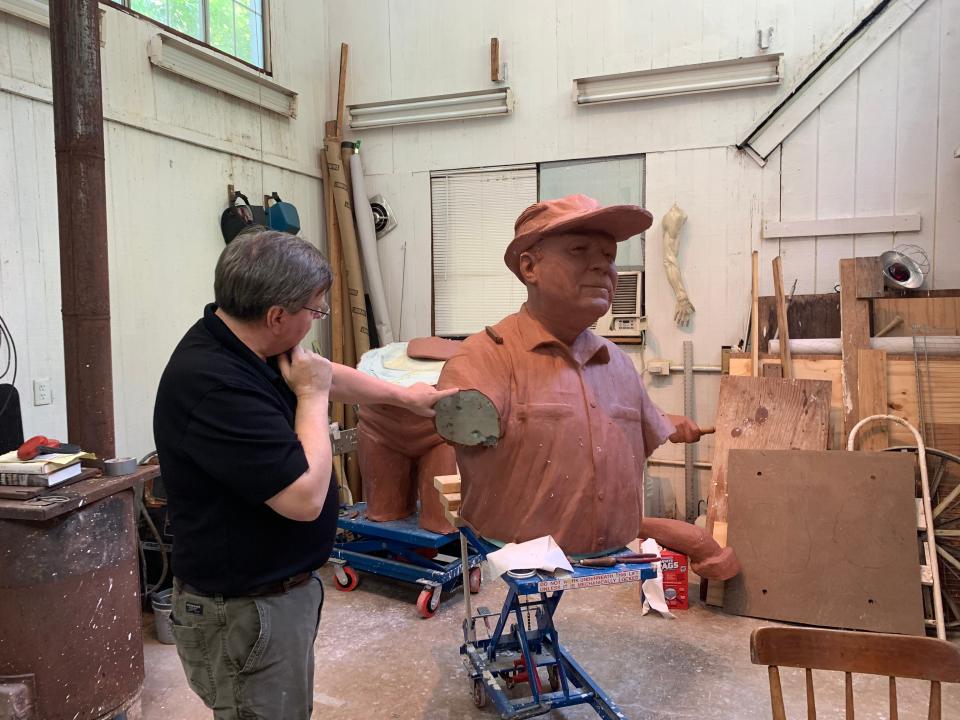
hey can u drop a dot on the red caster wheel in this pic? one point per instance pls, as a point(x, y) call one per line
point(346, 578)
point(428, 602)
point(475, 580)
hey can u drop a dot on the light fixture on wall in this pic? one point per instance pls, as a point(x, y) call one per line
point(680, 80)
point(220, 73)
point(481, 103)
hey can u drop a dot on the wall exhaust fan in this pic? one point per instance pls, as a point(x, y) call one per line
point(383, 218)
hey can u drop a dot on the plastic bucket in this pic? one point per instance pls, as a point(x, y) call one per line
point(162, 606)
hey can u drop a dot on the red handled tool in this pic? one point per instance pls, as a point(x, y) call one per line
point(41, 445)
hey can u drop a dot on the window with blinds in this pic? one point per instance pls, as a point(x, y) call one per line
point(473, 216)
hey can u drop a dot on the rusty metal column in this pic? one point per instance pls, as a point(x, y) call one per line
point(81, 192)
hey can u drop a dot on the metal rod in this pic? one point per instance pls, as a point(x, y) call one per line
point(82, 201)
point(691, 494)
point(679, 463)
point(698, 368)
point(465, 569)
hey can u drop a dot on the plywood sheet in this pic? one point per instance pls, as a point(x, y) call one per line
point(762, 412)
point(825, 538)
point(808, 316)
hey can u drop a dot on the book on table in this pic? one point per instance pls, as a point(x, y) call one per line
point(41, 464)
point(47, 479)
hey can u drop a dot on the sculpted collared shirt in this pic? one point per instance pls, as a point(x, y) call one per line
point(576, 428)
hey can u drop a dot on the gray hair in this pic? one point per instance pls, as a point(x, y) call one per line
point(262, 268)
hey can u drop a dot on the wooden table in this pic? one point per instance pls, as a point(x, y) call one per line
point(57, 501)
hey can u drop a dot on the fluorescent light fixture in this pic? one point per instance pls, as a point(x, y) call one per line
point(680, 80)
point(208, 68)
point(33, 10)
point(481, 103)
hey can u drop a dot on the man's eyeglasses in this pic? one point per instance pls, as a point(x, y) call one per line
point(317, 314)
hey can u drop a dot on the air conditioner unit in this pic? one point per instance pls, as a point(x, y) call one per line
point(624, 318)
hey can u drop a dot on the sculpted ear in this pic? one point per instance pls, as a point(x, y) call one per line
point(528, 268)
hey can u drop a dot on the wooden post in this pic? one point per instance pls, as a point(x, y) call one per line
point(335, 296)
point(860, 279)
point(786, 360)
point(495, 75)
point(342, 87)
point(872, 397)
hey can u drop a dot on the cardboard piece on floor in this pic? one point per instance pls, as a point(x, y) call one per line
point(825, 538)
point(761, 412)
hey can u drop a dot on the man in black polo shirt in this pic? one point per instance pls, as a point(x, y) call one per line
point(242, 431)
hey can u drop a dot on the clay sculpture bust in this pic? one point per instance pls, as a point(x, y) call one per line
point(576, 424)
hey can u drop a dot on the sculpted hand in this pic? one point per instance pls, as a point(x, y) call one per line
point(686, 431)
point(684, 310)
point(420, 398)
point(306, 372)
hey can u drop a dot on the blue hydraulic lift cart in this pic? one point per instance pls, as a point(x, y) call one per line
point(512, 657)
point(402, 550)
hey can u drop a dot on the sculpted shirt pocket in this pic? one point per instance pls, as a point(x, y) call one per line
point(629, 421)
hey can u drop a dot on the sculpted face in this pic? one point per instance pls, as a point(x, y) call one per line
point(572, 276)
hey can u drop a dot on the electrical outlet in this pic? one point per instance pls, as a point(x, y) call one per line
point(42, 391)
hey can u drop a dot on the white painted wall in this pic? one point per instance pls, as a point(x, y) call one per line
point(879, 145)
point(172, 147)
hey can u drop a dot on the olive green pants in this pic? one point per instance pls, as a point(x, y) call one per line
point(250, 657)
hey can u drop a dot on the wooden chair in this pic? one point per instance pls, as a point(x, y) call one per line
point(894, 656)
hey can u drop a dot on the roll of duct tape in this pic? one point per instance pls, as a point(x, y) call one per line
point(119, 466)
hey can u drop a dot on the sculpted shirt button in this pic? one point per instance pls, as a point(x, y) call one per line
point(600, 494)
point(593, 404)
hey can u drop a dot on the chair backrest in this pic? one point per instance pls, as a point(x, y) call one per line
point(893, 656)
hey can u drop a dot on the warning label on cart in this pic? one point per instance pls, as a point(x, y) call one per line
point(572, 583)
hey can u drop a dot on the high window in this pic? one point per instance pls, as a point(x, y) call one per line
point(236, 27)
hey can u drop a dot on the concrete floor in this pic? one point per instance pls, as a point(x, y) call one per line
point(378, 660)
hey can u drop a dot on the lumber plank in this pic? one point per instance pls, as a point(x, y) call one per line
point(939, 313)
point(854, 336)
point(447, 483)
point(782, 326)
point(872, 397)
point(342, 87)
point(869, 272)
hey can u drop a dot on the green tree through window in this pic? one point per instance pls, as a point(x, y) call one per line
point(233, 26)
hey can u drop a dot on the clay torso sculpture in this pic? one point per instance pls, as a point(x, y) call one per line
point(400, 453)
point(577, 426)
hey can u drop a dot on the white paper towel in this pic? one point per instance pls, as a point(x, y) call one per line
point(652, 589)
point(540, 554)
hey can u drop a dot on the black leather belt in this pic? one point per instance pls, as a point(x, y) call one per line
point(272, 588)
